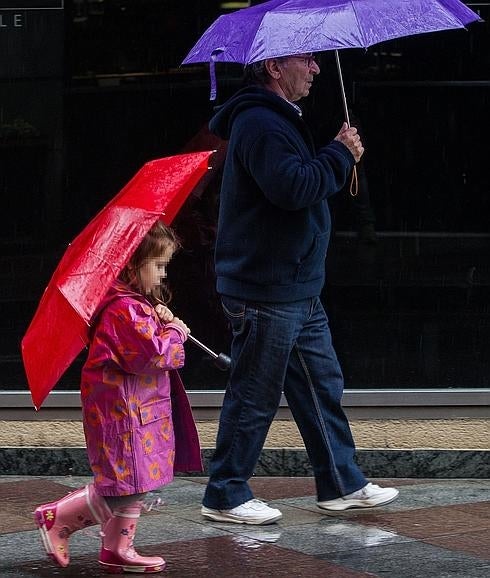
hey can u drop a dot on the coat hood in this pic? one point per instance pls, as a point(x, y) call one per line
point(117, 290)
point(248, 97)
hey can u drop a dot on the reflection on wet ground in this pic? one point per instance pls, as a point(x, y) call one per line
point(437, 528)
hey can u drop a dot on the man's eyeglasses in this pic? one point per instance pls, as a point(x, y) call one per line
point(307, 59)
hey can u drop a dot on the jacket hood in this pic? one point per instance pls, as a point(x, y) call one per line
point(248, 97)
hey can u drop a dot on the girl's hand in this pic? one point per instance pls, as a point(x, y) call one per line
point(182, 325)
point(164, 313)
point(166, 316)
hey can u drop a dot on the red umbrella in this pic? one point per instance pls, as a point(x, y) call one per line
point(59, 329)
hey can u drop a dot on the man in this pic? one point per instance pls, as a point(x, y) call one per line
point(273, 233)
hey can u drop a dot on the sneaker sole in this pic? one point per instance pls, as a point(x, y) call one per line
point(219, 517)
point(340, 504)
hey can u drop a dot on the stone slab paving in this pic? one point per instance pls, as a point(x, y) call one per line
point(437, 528)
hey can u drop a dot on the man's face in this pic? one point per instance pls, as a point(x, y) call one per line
point(297, 73)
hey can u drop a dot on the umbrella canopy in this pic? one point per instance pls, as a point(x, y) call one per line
point(287, 27)
point(59, 329)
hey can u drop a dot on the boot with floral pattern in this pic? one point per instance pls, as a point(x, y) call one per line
point(118, 554)
point(58, 520)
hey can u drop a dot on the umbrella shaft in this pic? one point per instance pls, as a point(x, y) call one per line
point(342, 89)
point(202, 346)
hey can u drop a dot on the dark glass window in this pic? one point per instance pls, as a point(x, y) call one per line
point(88, 94)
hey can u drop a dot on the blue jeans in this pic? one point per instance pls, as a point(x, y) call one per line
point(280, 347)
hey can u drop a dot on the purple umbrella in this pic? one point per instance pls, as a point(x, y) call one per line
point(287, 27)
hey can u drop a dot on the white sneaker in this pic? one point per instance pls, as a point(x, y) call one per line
point(251, 512)
point(368, 497)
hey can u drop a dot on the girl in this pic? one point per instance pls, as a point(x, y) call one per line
point(137, 420)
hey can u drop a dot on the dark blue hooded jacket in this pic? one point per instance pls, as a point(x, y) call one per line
point(274, 221)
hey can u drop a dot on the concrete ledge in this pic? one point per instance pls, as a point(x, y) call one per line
point(382, 463)
point(437, 434)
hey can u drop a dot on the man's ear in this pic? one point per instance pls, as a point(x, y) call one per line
point(273, 68)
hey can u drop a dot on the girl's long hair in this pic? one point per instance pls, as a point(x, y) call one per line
point(156, 242)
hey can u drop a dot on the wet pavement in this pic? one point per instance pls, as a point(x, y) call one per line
point(437, 528)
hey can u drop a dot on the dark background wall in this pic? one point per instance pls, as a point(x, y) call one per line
point(91, 92)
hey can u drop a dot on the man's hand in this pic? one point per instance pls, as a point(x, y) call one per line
point(349, 137)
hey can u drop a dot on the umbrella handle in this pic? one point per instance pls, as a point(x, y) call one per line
point(221, 360)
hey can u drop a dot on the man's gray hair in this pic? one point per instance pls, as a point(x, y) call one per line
point(256, 73)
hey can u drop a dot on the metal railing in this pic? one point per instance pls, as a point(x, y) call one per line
point(358, 404)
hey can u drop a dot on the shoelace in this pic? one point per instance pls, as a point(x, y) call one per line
point(368, 490)
point(254, 502)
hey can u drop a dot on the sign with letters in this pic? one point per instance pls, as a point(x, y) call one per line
point(31, 38)
point(32, 5)
point(13, 13)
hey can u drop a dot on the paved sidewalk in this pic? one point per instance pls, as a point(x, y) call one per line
point(437, 528)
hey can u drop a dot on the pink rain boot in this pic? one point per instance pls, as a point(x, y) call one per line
point(58, 520)
point(117, 554)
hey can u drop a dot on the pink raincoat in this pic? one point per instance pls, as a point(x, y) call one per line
point(137, 419)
